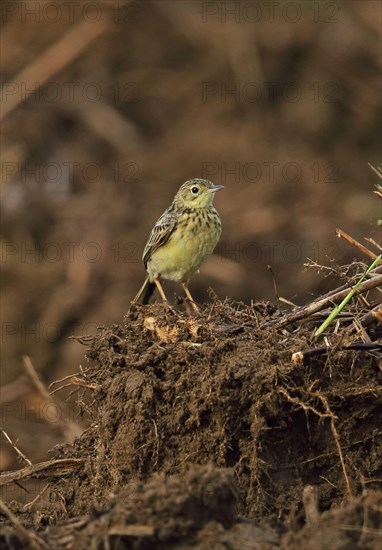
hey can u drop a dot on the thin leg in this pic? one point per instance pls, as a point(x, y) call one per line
point(160, 289)
point(140, 292)
point(190, 298)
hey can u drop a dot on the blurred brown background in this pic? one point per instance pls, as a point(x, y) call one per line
point(107, 107)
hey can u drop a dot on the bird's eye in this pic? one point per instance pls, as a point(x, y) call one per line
point(194, 190)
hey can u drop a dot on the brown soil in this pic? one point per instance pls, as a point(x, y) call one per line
point(204, 434)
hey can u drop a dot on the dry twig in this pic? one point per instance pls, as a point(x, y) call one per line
point(323, 301)
point(300, 356)
point(51, 468)
point(336, 440)
point(358, 245)
point(21, 455)
point(29, 505)
point(70, 428)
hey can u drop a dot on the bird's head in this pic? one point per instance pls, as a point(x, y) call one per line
point(197, 193)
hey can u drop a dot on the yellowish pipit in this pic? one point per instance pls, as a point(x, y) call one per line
point(183, 237)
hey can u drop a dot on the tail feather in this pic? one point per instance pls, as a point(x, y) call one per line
point(148, 292)
point(145, 292)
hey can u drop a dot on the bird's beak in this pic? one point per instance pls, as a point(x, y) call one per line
point(215, 188)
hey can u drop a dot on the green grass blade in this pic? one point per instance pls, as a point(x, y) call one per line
point(348, 297)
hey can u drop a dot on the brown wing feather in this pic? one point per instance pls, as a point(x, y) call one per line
point(160, 233)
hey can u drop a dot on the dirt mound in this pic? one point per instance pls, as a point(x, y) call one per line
point(176, 400)
point(170, 390)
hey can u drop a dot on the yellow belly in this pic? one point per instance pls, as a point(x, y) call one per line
point(182, 256)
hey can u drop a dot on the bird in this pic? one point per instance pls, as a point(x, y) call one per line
point(181, 240)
